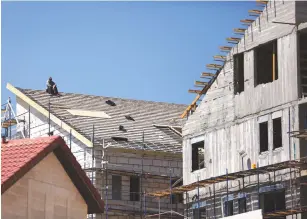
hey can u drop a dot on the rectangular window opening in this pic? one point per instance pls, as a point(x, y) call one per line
point(238, 73)
point(134, 188)
point(273, 201)
point(202, 213)
point(277, 130)
point(198, 157)
point(266, 67)
point(228, 208)
point(242, 205)
point(116, 187)
point(264, 144)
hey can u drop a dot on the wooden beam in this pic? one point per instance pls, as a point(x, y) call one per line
point(247, 21)
point(261, 2)
point(194, 91)
point(207, 74)
point(219, 58)
point(225, 48)
point(200, 83)
point(233, 40)
point(240, 31)
point(254, 12)
point(214, 66)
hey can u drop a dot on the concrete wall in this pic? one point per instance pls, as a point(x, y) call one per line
point(44, 194)
point(159, 166)
point(229, 122)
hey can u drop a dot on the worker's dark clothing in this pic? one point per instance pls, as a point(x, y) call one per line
point(51, 88)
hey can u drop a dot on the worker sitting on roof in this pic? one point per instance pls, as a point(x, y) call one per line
point(51, 87)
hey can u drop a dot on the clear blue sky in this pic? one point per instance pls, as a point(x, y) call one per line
point(140, 50)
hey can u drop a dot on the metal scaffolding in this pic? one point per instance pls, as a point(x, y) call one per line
point(295, 166)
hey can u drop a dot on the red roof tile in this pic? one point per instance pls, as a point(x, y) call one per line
point(19, 156)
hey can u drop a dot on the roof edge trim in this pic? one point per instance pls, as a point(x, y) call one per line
point(53, 118)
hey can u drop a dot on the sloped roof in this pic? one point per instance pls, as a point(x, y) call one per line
point(145, 115)
point(19, 156)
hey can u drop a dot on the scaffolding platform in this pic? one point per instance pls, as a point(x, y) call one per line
point(286, 212)
point(295, 164)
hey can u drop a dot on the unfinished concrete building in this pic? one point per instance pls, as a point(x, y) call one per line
point(247, 134)
point(127, 147)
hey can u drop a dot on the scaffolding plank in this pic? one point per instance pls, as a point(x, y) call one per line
point(301, 164)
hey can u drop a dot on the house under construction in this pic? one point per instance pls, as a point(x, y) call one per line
point(251, 123)
point(127, 147)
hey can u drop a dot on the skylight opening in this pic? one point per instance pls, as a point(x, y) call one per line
point(110, 102)
point(129, 118)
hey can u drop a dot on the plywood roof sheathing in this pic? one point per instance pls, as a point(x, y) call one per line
point(225, 48)
point(214, 66)
point(219, 58)
point(195, 91)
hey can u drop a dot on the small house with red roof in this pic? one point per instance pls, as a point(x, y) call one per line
point(41, 178)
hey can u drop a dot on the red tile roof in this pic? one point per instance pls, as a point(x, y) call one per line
point(19, 156)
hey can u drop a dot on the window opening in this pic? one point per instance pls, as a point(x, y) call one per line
point(263, 129)
point(277, 136)
point(116, 187)
point(272, 201)
point(198, 156)
point(134, 188)
point(266, 67)
point(238, 73)
point(242, 205)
